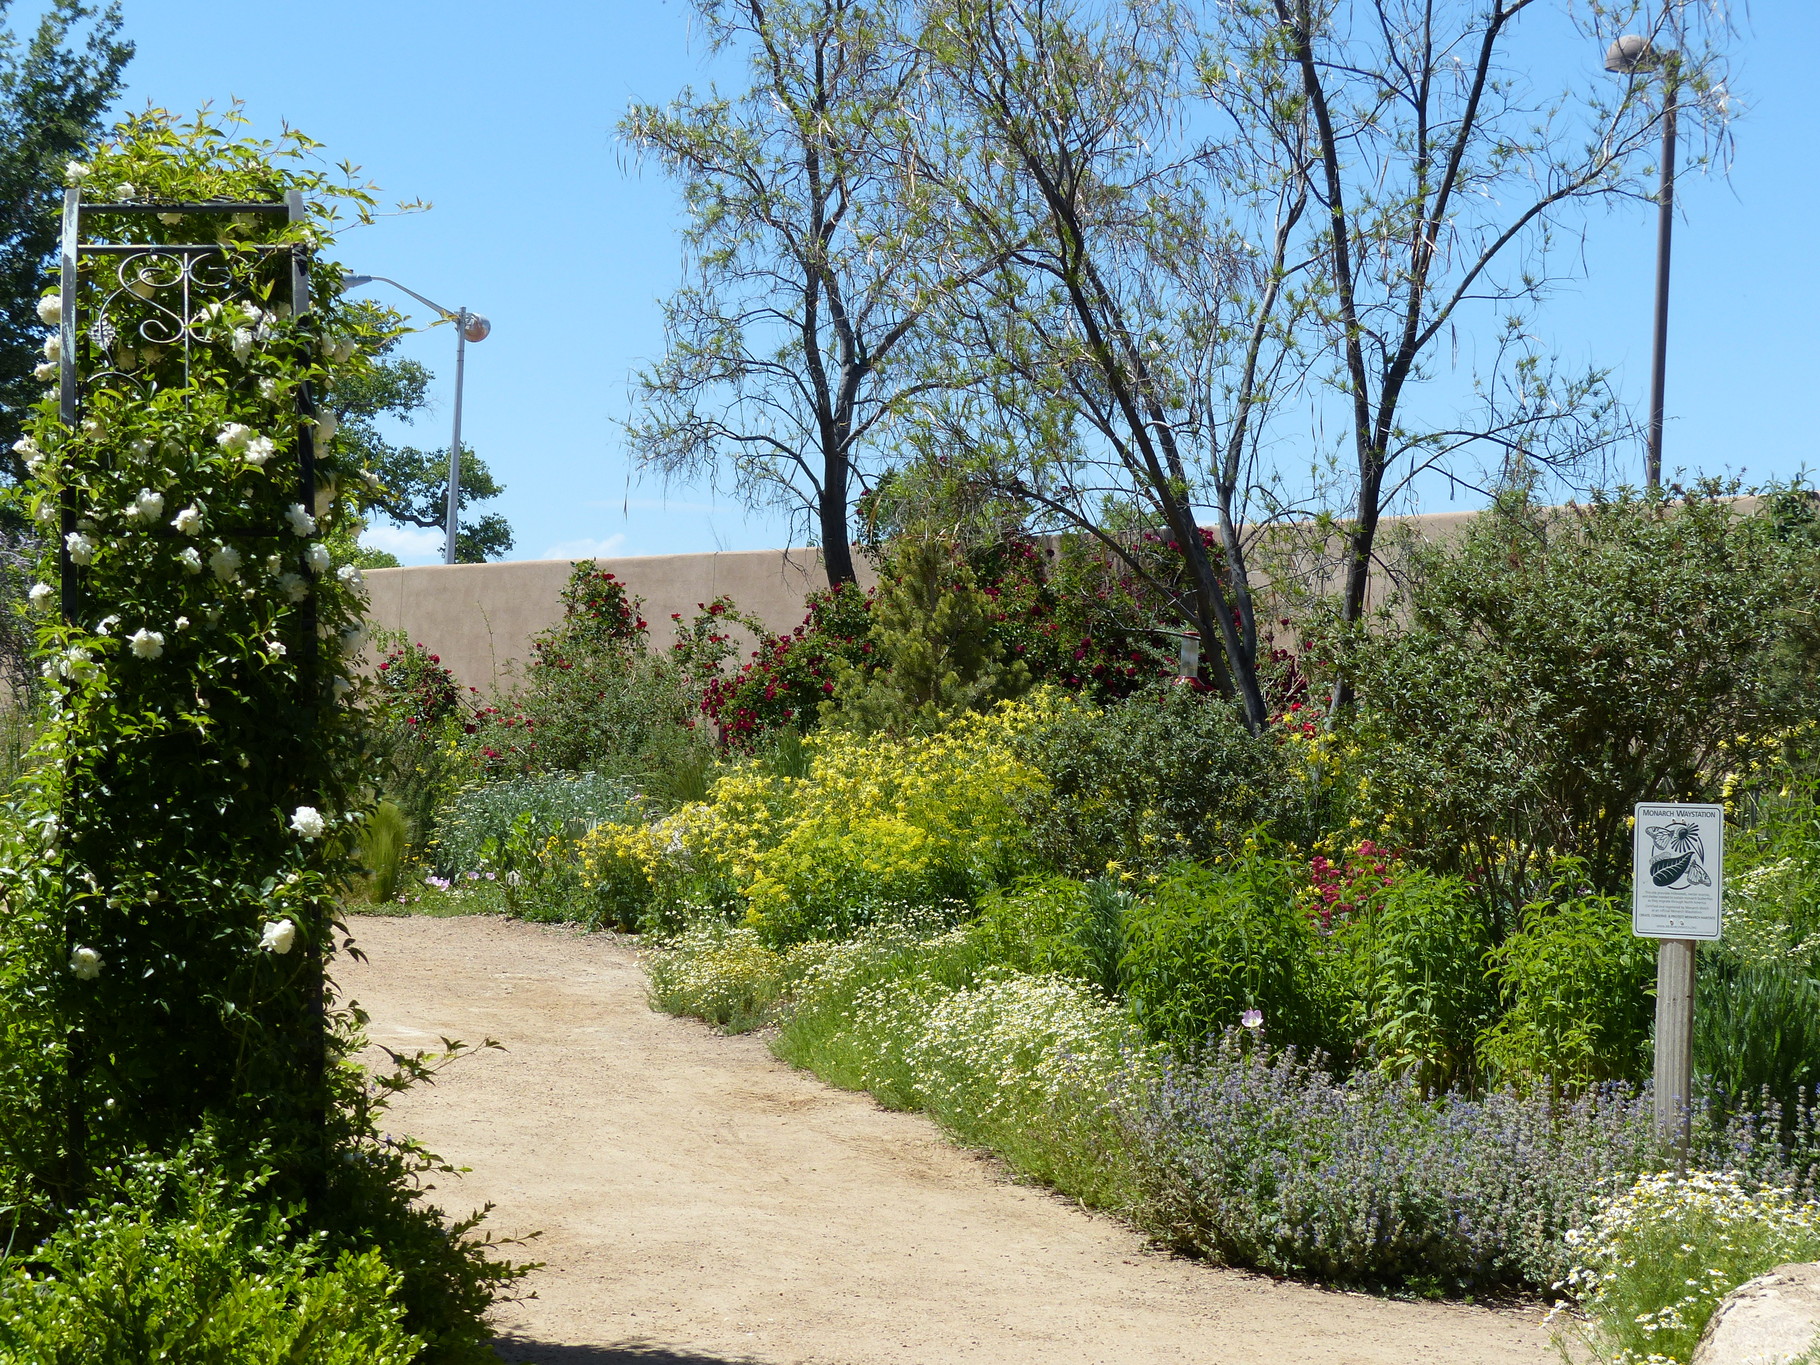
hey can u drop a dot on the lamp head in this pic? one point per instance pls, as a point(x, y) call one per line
point(1631, 53)
point(354, 282)
point(475, 327)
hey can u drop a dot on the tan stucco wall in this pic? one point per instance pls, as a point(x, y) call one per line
point(480, 618)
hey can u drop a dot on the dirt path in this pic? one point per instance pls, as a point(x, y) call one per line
point(702, 1202)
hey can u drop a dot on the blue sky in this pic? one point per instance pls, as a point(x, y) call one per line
point(502, 116)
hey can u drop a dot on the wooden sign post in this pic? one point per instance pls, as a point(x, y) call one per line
point(1677, 894)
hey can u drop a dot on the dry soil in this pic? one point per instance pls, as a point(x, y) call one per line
point(700, 1201)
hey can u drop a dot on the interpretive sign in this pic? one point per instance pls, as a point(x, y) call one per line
point(1678, 856)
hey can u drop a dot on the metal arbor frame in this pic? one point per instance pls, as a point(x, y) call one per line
point(173, 284)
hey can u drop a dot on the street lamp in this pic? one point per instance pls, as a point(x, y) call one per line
point(1632, 55)
point(468, 327)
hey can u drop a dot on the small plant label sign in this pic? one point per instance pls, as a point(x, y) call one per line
point(1678, 854)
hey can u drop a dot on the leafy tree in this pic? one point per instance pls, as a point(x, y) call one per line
point(1130, 349)
point(414, 484)
point(1440, 154)
point(53, 92)
point(818, 246)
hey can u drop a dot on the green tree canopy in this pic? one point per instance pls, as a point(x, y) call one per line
point(54, 90)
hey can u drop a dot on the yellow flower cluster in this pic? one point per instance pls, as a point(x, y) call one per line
point(874, 818)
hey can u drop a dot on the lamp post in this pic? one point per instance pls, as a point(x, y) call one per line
point(1631, 55)
point(468, 327)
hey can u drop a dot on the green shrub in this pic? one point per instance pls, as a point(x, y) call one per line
point(1411, 972)
point(592, 698)
point(1556, 666)
point(1059, 926)
point(168, 1262)
point(1208, 944)
point(933, 653)
point(1164, 775)
point(1577, 990)
point(481, 819)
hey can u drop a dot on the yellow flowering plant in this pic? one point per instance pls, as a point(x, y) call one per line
point(917, 820)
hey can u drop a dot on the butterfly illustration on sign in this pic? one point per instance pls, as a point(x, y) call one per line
point(1677, 858)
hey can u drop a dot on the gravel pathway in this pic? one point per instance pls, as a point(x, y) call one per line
point(699, 1201)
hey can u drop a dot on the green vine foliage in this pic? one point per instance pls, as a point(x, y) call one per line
point(198, 798)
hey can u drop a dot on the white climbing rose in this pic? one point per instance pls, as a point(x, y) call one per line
point(41, 594)
point(318, 557)
point(50, 309)
point(81, 548)
point(302, 523)
point(308, 822)
point(225, 563)
point(279, 936)
point(189, 521)
point(259, 450)
point(147, 644)
point(85, 963)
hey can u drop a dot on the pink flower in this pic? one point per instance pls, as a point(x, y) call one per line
point(1252, 1018)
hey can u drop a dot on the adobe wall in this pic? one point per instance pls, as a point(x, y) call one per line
point(480, 618)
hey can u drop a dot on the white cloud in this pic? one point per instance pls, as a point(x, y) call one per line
point(412, 544)
point(584, 549)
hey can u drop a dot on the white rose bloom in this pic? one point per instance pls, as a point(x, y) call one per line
point(276, 648)
point(170, 219)
point(340, 688)
point(274, 565)
point(85, 963)
point(181, 623)
point(326, 426)
point(41, 593)
point(50, 309)
point(351, 575)
point(294, 585)
point(233, 437)
point(308, 822)
point(45, 372)
point(75, 662)
point(49, 830)
point(225, 564)
point(28, 448)
point(279, 937)
point(268, 390)
point(107, 625)
point(125, 191)
point(189, 521)
point(81, 548)
point(353, 638)
point(94, 426)
point(47, 511)
point(147, 644)
point(148, 506)
point(75, 172)
point(241, 343)
point(302, 523)
point(53, 346)
point(191, 559)
point(318, 557)
point(325, 499)
point(259, 450)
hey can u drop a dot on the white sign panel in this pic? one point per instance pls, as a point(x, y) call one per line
point(1678, 865)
